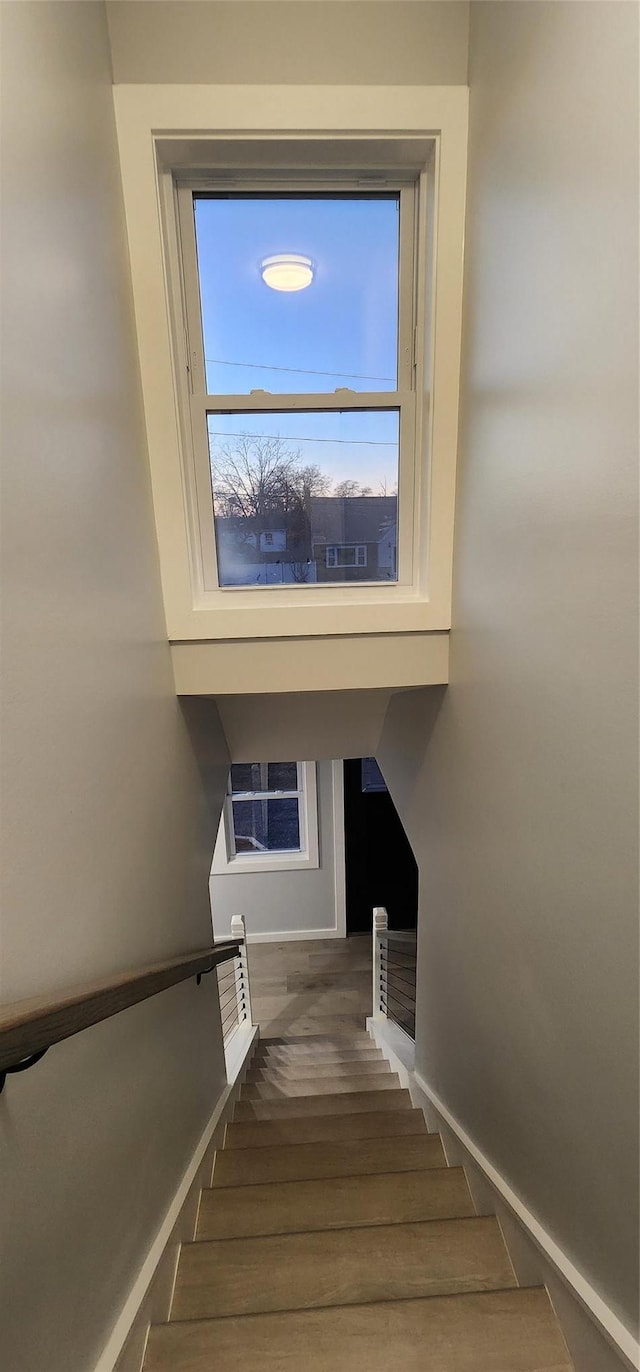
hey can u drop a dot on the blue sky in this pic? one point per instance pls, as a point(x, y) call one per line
point(346, 319)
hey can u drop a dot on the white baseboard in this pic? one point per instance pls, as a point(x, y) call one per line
point(151, 1293)
point(397, 1047)
point(597, 1339)
point(619, 1340)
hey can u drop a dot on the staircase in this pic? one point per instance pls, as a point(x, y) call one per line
point(334, 1238)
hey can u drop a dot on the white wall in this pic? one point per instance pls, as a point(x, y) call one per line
point(518, 785)
point(106, 835)
point(388, 42)
point(311, 724)
point(291, 903)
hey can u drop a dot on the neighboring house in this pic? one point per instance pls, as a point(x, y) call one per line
point(355, 538)
point(350, 538)
point(272, 549)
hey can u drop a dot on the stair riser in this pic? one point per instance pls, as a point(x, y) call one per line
point(263, 1059)
point(337, 1203)
point(309, 1086)
point(312, 1040)
point(303, 1071)
point(332, 1104)
point(307, 1161)
point(321, 1128)
point(307, 1065)
point(343, 1267)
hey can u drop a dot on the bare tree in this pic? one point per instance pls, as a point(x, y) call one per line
point(310, 481)
point(253, 476)
point(347, 489)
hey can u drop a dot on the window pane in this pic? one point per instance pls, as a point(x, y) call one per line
point(264, 776)
point(246, 776)
point(323, 484)
point(339, 330)
point(283, 776)
point(372, 778)
point(266, 826)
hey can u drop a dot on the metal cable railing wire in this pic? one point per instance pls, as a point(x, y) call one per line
point(395, 991)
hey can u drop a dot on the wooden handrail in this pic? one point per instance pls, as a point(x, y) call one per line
point(31, 1026)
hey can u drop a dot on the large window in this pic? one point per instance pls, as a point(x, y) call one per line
point(301, 316)
point(208, 174)
point(269, 821)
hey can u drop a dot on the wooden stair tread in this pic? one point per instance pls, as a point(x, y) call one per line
point(265, 1056)
point(334, 1203)
point(316, 1128)
point(340, 1267)
point(295, 1022)
point(278, 1072)
point(307, 1161)
point(490, 1331)
point(334, 1237)
point(361, 1039)
point(312, 1086)
point(346, 1103)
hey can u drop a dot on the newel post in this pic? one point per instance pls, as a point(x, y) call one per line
point(380, 926)
point(243, 989)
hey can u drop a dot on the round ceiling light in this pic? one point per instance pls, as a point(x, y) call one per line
point(287, 271)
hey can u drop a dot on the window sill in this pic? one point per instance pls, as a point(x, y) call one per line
point(279, 862)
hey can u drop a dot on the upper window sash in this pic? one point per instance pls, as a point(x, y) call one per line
point(337, 397)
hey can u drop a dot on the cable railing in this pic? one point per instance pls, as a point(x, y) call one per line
point(29, 1028)
point(394, 973)
point(233, 985)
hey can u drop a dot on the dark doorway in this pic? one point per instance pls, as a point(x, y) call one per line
point(380, 866)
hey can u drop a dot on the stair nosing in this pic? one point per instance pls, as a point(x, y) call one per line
point(366, 1305)
point(348, 1229)
point(350, 1176)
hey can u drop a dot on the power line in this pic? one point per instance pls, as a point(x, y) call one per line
point(302, 371)
point(296, 438)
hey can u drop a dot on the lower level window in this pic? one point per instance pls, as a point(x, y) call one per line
point(269, 822)
point(347, 555)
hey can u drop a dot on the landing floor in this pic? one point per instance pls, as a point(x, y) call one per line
point(311, 986)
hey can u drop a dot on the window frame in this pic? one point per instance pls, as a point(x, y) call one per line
point(165, 129)
point(227, 862)
point(403, 400)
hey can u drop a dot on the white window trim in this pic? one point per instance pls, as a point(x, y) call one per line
point(161, 126)
point(226, 862)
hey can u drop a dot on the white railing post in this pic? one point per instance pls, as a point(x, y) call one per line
point(243, 989)
point(380, 925)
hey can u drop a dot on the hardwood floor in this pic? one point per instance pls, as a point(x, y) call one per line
point(313, 986)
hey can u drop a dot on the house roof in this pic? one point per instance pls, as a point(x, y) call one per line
point(356, 519)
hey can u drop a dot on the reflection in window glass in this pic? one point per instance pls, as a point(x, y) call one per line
point(282, 776)
point(264, 776)
point(322, 484)
point(372, 778)
point(266, 826)
point(339, 331)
